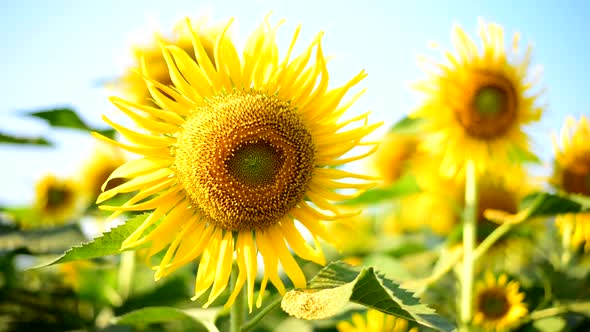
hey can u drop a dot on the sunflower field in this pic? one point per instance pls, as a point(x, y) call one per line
point(237, 183)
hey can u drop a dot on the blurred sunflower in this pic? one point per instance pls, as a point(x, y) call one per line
point(440, 194)
point(57, 201)
point(238, 150)
point(133, 85)
point(476, 105)
point(495, 192)
point(374, 321)
point(104, 160)
point(391, 159)
point(572, 175)
point(498, 303)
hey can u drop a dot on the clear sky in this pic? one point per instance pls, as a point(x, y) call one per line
point(56, 53)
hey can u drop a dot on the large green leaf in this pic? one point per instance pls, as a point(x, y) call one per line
point(107, 244)
point(404, 186)
point(541, 204)
point(408, 126)
point(9, 139)
point(339, 283)
point(199, 319)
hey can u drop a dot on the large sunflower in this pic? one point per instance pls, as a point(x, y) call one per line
point(375, 321)
point(237, 151)
point(477, 104)
point(498, 303)
point(57, 201)
point(572, 175)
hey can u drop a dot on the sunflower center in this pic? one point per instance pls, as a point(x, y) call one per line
point(56, 196)
point(255, 163)
point(576, 178)
point(493, 198)
point(493, 303)
point(489, 101)
point(492, 109)
point(244, 160)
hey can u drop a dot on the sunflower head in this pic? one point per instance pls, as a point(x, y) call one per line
point(390, 160)
point(97, 169)
point(477, 103)
point(571, 172)
point(133, 85)
point(238, 156)
point(57, 201)
point(498, 303)
point(375, 321)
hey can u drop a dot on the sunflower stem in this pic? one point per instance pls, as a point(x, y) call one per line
point(566, 254)
point(489, 241)
point(237, 311)
point(469, 240)
point(126, 269)
point(260, 315)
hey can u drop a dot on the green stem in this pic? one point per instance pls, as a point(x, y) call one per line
point(566, 254)
point(126, 269)
point(491, 239)
point(469, 240)
point(260, 315)
point(238, 308)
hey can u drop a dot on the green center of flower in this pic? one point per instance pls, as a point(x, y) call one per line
point(490, 101)
point(487, 105)
point(56, 196)
point(493, 303)
point(255, 163)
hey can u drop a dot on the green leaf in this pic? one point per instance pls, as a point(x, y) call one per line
point(199, 319)
point(61, 117)
point(550, 324)
point(9, 139)
point(338, 284)
point(404, 186)
point(518, 155)
point(107, 244)
point(408, 126)
point(540, 204)
point(68, 118)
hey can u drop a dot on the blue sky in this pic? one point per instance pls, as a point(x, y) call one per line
point(56, 53)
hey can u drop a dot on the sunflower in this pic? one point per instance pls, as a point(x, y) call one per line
point(240, 154)
point(104, 160)
point(133, 85)
point(501, 193)
point(498, 303)
point(572, 175)
point(435, 207)
point(375, 321)
point(57, 201)
point(391, 159)
point(476, 105)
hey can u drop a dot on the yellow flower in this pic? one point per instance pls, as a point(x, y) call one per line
point(104, 160)
point(239, 152)
point(498, 303)
point(572, 175)
point(375, 321)
point(390, 160)
point(435, 207)
point(57, 201)
point(476, 105)
point(133, 85)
